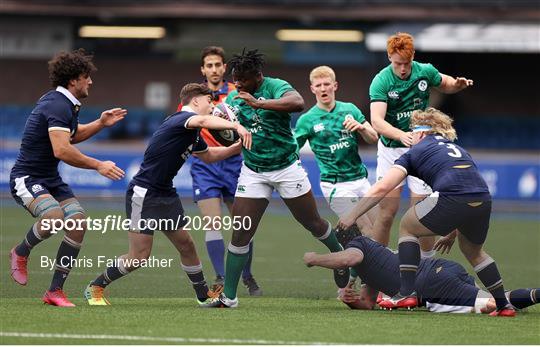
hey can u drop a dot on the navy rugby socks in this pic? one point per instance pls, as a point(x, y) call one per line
point(521, 298)
point(67, 254)
point(489, 275)
point(31, 239)
point(409, 259)
point(196, 277)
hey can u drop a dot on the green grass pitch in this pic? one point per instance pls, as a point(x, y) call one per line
point(156, 306)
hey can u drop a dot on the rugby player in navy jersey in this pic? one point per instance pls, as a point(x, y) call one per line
point(151, 199)
point(460, 200)
point(50, 132)
point(441, 285)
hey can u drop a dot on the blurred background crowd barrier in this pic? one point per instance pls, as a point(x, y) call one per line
point(146, 51)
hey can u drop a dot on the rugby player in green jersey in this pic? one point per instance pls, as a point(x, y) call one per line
point(333, 129)
point(263, 105)
point(395, 92)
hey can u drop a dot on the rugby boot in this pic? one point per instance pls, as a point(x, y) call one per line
point(19, 270)
point(399, 301)
point(95, 296)
point(57, 298)
point(220, 302)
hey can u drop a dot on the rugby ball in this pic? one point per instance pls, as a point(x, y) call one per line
point(224, 137)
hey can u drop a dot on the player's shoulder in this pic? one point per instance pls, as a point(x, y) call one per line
point(178, 118)
point(422, 67)
point(346, 106)
point(55, 103)
point(275, 82)
point(427, 142)
point(230, 97)
point(307, 118)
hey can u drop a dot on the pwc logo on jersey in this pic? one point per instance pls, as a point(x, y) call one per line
point(422, 85)
point(340, 145)
point(393, 94)
point(37, 188)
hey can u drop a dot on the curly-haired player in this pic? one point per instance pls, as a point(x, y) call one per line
point(49, 136)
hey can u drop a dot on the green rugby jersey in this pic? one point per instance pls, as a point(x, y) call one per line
point(274, 146)
point(403, 96)
point(335, 148)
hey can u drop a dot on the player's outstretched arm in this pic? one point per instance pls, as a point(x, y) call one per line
point(218, 123)
point(69, 154)
point(337, 260)
point(214, 154)
point(376, 193)
point(291, 101)
point(381, 126)
point(450, 85)
point(108, 118)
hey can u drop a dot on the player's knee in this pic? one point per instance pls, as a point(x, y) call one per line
point(73, 210)
point(241, 239)
point(51, 220)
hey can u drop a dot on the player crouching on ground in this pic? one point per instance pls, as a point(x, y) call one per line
point(151, 195)
point(442, 285)
point(461, 200)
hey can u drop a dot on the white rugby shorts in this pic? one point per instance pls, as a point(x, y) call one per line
point(342, 196)
point(386, 156)
point(290, 182)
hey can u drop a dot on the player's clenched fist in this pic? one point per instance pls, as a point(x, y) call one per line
point(352, 124)
point(110, 170)
point(309, 258)
point(248, 98)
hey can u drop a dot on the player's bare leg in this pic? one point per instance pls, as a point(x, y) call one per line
point(304, 210)
point(426, 243)
point(388, 208)
point(190, 262)
point(488, 273)
point(140, 247)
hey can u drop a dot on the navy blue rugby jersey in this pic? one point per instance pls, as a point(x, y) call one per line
point(380, 267)
point(446, 167)
point(167, 151)
point(56, 110)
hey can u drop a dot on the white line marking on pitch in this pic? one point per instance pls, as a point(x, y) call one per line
point(156, 339)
